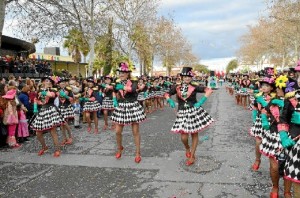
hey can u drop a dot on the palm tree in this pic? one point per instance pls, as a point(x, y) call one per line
point(77, 46)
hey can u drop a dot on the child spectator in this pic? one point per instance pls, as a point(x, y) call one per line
point(23, 132)
point(76, 109)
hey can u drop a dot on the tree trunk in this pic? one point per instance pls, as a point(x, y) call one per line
point(92, 56)
point(2, 17)
point(109, 49)
point(141, 66)
point(145, 71)
point(92, 42)
point(78, 69)
point(151, 70)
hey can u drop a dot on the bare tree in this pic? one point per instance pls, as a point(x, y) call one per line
point(126, 15)
point(52, 19)
point(172, 47)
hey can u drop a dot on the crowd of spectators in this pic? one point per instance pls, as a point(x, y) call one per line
point(24, 65)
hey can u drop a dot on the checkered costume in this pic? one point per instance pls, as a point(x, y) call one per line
point(189, 119)
point(129, 110)
point(292, 165)
point(257, 130)
point(107, 103)
point(142, 96)
point(48, 116)
point(271, 145)
point(65, 106)
point(66, 111)
point(92, 105)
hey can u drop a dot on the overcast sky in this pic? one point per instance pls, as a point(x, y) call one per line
point(213, 27)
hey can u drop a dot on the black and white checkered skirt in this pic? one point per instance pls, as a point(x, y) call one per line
point(292, 165)
point(91, 106)
point(47, 118)
point(242, 93)
point(107, 104)
point(159, 94)
point(270, 145)
point(141, 96)
point(166, 90)
point(191, 120)
point(66, 111)
point(151, 94)
point(257, 130)
point(251, 104)
point(128, 112)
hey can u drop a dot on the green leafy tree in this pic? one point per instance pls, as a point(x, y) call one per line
point(201, 68)
point(143, 47)
point(233, 64)
point(76, 45)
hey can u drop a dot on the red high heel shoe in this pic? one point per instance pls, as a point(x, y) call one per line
point(43, 151)
point(63, 142)
point(138, 159)
point(119, 153)
point(274, 194)
point(56, 153)
point(190, 162)
point(89, 129)
point(69, 141)
point(96, 131)
point(188, 154)
point(255, 166)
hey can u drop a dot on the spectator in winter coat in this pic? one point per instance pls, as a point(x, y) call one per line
point(24, 97)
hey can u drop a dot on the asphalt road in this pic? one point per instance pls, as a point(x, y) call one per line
point(88, 167)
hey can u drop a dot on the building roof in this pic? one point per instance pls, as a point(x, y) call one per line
point(17, 45)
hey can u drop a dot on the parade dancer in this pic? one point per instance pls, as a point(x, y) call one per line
point(261, 101)
point(143, 93)
point(147, 96)
point(48, 117)
point(65, 98)
point(289, 132)
point(245, 84)
point(161, 99)
point(157, 89)
point(91, 105)
point(270, 146)
point(191, 117)
point(167, 84)
point(128, 110)
point(107, 103)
